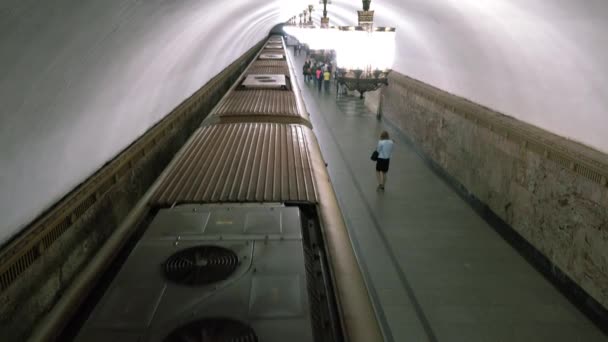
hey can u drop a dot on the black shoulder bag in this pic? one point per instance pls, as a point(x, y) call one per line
point(374, 156)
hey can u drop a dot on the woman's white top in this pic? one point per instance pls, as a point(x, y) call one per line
point(385, 149)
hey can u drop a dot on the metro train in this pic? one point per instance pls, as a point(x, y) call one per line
point(244, 239)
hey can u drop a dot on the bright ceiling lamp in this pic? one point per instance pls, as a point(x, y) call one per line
point(323, 38)
point(349, 52)
point(301, 32)
point(361, 49)
point(304, 34)
point(382, 42)
point(365, 54)
point(323, 41)
point(292, 31)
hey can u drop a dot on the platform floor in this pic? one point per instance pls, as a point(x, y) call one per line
point(435, 269)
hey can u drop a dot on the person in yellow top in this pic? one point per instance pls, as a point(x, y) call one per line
point(326, 78)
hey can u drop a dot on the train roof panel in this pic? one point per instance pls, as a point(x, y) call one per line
point(261, 69)
point(268, 66)
point(270, 63)
point(273, 51)
point(246, 162)
point(264, 81)
point(271, 55)
point(259, 102)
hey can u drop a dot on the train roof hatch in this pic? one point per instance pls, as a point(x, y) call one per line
point(272, 56)
point(265, 81)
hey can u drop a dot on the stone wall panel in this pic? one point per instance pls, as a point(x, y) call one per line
point(560, 212)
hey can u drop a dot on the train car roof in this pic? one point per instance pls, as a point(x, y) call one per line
point(274, 51)
point(261, 105)
point(245, 162)
point(268, 67)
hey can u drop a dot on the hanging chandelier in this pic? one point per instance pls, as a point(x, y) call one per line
point(365, 53)
point(319, 40)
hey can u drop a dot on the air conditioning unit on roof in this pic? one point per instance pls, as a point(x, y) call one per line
point(210, 273)
point(271, 56)
point(264, 81)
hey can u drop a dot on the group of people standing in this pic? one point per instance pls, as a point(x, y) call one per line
point(319, 72)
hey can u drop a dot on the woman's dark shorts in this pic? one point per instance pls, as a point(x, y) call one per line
point(382, 165)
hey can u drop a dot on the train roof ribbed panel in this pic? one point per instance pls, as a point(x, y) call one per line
point(270, 63)
point(269, 70)
point(268, 67)
point(247, 162)
point(259, 102)
point(274, 51)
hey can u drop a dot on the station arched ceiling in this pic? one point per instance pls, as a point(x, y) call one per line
point(81, 79)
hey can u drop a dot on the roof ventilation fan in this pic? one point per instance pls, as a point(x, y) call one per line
point(200, 265)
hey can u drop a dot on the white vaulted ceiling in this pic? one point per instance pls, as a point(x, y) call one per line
point(81, 79)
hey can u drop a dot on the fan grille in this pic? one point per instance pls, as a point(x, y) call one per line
point(200, 265)
point(213, 330)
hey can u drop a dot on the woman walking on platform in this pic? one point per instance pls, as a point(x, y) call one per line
point(385, 150)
